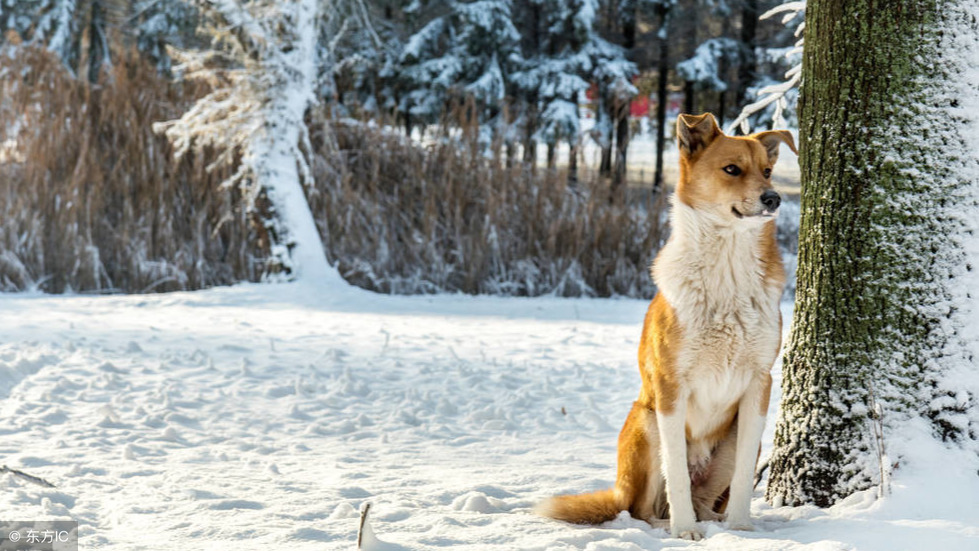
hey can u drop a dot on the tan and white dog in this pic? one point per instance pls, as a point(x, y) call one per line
point(690, 444)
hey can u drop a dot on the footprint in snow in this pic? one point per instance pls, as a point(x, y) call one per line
point(476, 502)
point(230, 504)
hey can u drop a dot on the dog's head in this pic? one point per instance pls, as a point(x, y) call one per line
point(728, 176)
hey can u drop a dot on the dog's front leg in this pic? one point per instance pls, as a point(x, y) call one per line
point(673, 444)
point(752, 410)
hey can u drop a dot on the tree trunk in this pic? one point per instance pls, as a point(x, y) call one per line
point(573, 164)
point(277, 154)
point(573, 146)
point(688, 97)
point(663, 73)
point(689, 89)
point(606, 111)
point(747, 64)
point(722, 72)
point(532, 96)
point(885, 203)
point(621, 144)
point(97, 43)
point(625, 107)
point(282, 44)
point(530, 128)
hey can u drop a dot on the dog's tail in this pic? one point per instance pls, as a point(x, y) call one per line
point(593, 508)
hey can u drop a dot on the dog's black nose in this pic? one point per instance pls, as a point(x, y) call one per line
point(771, 200)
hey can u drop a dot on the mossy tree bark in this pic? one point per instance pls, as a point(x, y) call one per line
point(880, 244)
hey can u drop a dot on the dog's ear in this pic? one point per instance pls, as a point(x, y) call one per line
point(696, 132)
point(771, 140)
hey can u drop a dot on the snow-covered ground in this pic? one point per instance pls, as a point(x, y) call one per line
point(263, 417)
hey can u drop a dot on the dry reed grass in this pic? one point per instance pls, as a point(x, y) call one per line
point(91, 199)
point(399, 218)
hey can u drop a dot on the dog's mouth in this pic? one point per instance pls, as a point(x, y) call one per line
point(764, 214)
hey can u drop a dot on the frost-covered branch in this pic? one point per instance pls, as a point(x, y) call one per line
point(776, 93)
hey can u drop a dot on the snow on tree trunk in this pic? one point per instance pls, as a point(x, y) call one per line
point(879, 337)
point(276, 155)
point(259, 112)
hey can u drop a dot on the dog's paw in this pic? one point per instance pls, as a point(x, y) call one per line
point(742, 525)
point(711, 516)
point(689, 533)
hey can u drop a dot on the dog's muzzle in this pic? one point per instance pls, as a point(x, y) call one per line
point(771, 199)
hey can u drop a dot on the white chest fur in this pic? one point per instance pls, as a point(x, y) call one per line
point(712, 274)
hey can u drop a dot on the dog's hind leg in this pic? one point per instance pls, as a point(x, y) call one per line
point(646, 475)
point(638, 462)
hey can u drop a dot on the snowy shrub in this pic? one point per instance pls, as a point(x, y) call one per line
point(91, 200)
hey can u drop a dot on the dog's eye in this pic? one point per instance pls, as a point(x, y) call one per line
point(733, 170)
point(767, 173)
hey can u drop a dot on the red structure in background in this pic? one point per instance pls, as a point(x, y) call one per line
point(640, 106)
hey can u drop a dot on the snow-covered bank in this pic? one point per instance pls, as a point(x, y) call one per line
point(262, 417)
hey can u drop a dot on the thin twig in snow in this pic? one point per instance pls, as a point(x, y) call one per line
point(28, 477)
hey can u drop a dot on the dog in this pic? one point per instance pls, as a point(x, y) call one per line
point(689, 446)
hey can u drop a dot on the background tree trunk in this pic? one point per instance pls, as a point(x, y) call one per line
point(573, 145)
point(605, 120)
point(531, 97)
point(624, 110)
point(663, 72)
point(621, 143)
point(747, 64)
point(530, 129)
point(884, 188)
point(723, 66)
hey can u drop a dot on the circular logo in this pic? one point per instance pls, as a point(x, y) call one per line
point(14, 536)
